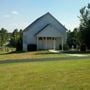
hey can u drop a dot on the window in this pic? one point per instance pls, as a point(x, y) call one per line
point(49, 38)
point(40, 38)
point(53, 38)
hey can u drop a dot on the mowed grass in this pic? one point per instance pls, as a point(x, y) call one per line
point(60, 74)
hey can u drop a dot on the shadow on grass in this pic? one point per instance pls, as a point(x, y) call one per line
point(43, 59)
point(44, 53)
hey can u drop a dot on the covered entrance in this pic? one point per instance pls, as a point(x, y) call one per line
point(46, 43)
point(49, 38)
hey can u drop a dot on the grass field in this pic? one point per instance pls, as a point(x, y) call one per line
point(56, 72)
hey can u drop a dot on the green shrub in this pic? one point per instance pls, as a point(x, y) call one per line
point(65, 47)
point(83, 48)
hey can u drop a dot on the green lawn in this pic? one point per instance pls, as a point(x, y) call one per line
point(63, 74)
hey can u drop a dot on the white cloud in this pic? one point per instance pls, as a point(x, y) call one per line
point(6, 16)
point(14, 12)
point(10, 14)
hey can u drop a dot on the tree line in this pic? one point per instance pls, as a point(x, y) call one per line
point(81, 36)
point(13, 39)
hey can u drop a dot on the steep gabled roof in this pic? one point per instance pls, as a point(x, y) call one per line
point(35, 21)
point(41, 18)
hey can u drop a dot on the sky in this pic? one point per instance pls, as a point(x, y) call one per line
point(21, 13)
